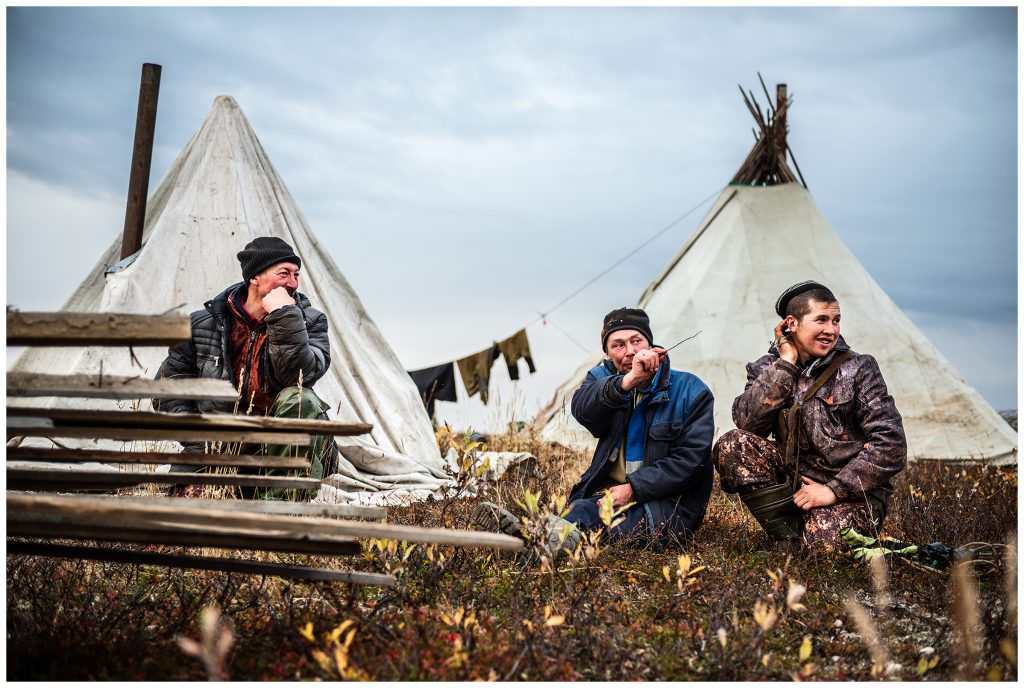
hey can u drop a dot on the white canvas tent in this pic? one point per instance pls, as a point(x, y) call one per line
point(753, 243)
point(220, 193)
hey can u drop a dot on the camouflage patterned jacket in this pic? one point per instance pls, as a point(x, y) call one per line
point(855, 442)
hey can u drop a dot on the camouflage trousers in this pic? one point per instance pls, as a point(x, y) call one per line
point(291, 402)
point(745, 461)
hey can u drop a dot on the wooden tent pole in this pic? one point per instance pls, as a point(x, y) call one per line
point(142, 159)
point(780, 114)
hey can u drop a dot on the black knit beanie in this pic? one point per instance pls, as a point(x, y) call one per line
point(626, 319)
point(262, 252)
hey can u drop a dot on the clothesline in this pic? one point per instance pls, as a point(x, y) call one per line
point(620, 261)
point(544, 315)
point(437, 383)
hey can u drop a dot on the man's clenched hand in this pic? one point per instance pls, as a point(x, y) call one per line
point(621, 494)
point(645, 363)
point(276, 299)
point(784, 343)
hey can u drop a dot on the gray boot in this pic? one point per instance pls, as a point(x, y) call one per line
point(563, 537)
point(490, 516)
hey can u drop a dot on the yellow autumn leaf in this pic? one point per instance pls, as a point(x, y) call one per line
point(805, 648)
point(336, 633)
point(606, 508)
point(323, 660)
point(340, 659)
point(765, 616)
point(307, 632)
point(555, 620)
point(667, 574)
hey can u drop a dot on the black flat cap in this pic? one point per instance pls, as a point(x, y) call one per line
point(795, 290)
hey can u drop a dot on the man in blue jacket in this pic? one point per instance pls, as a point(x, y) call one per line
point(655, 428)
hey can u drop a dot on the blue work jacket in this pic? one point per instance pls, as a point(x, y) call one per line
point(674, 482)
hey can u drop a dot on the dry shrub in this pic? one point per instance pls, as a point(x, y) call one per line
point(953, 504)
point(724, 605)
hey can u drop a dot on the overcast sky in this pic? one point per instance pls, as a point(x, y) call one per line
point(468, 168)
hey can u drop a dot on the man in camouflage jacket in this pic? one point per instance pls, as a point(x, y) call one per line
point(263, 335)
point(852, 442)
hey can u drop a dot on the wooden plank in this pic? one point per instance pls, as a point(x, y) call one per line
point(262, 506)
point(117, 387)
point(173, 458)
point(157, 434)
point(96, 329)
point(258, 568)
point(224, 538)
point(83, 509)
point(190, 421)
point(18, 479)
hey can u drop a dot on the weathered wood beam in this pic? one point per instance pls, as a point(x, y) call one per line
point(117, 387)
point(23, 478)
point(61, 455)
point(258, 568)
point(261, 506)
point(190, 421)
point(18, 429)
point(96, 329)
point(188, 536)
point(82, 510)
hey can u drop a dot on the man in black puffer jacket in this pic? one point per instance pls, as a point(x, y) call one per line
point(263, 335)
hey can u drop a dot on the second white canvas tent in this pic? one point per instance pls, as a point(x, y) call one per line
point(755, 241)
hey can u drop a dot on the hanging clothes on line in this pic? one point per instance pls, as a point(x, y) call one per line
point(436, 383)
point(515, 348)
point(476, 371)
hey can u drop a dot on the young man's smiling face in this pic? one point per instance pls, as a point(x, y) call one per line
point(622, 345)
point(815, 334)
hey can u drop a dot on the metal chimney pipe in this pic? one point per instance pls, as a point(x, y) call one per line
point(142, 160)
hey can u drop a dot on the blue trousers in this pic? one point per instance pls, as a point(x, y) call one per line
point(586, 515)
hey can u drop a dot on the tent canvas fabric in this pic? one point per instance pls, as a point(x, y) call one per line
point(220, 193)
point(752, 244)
